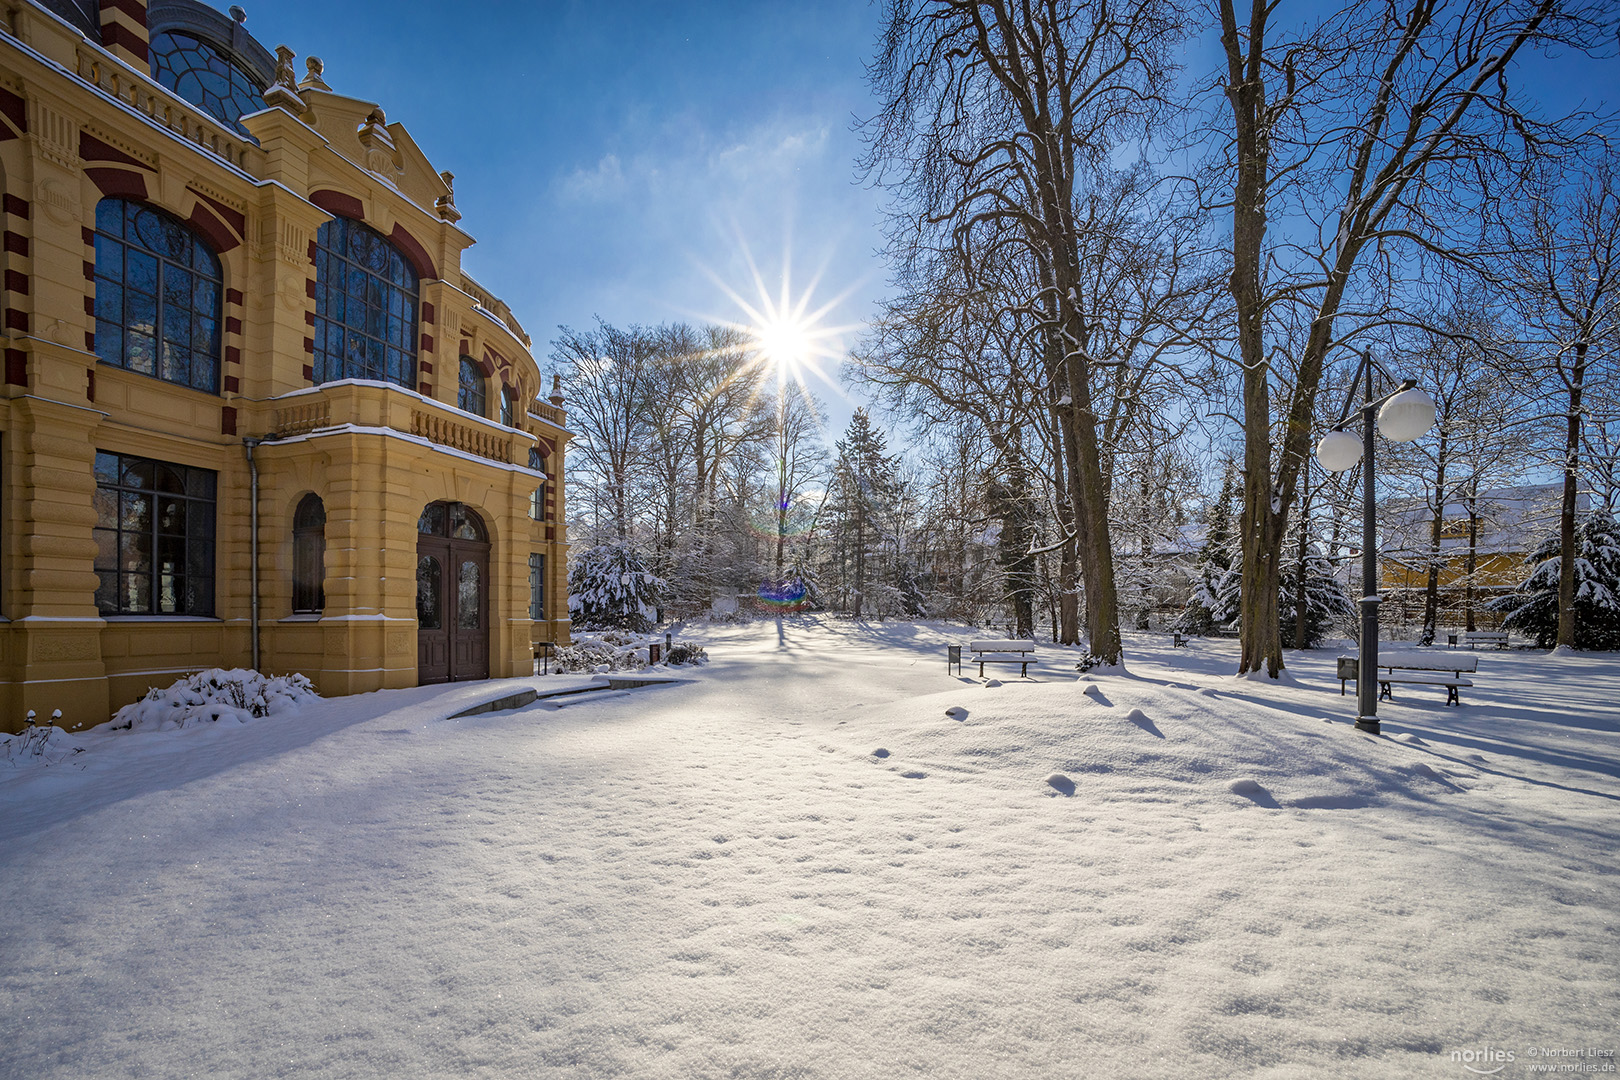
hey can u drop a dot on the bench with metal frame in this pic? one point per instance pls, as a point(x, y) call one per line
point(1414, 669)
point(1021, 653)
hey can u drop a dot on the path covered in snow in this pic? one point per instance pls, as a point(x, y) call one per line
point(823, 856)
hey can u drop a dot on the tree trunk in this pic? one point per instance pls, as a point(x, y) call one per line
point(1566, 521)
point(1473, 554)
point(1431, 588)
point(1068, 632)
point(1302, 620)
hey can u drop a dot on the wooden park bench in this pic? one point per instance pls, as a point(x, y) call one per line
point(1417, 669)
point(1021, 653)
point(1499, 638)
point(1177, 639)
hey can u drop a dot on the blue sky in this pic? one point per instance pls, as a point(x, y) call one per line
point(617, 158)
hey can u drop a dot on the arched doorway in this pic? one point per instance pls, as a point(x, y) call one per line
point(452, 594)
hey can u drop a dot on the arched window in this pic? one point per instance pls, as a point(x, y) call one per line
point(365, 307)
point(200, 72)
point(470, 390)
point(309, 555)
point(508, 406)
point(158, 295)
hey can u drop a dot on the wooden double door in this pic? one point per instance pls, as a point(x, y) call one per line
point(452, 595)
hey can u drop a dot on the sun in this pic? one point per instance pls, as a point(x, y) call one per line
point(786, 332)
point(785, 345)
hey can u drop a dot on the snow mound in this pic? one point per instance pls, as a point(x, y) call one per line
point(210, 696)
point(1158, 744)
point(992, 682)
point(47, 745)
point(1060, 783)
point(956, 712)
point(1246, 786)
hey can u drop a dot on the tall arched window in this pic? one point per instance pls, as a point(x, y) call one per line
point(470, 390)
point(158, 295)
point(309, 555)
point(508, 406)
point(365, 307)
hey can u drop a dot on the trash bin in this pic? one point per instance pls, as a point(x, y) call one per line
point(953, 658)
point(1349, 668)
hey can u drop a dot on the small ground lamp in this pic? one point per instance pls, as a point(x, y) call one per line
point(1403, 414)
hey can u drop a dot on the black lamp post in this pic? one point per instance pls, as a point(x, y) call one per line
point(1402, 414)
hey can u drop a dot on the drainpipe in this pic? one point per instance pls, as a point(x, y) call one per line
point(249, 442)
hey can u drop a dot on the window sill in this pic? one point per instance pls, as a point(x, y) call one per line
point(302, 616)
point(162, 618)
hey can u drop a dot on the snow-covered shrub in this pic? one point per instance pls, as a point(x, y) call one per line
point(684, 652)
point(1532, 608)
point(610, 586)
point(610, 652)
point(46, 745)
point(213, 695)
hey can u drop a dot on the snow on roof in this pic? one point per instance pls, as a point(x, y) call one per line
point(1512, 520)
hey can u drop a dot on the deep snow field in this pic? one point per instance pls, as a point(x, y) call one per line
point(823, 856)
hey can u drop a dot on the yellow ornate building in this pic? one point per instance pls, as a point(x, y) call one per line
point(254, 411)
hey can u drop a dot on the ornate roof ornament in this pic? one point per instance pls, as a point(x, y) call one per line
point(313, 80)
point(284, 91)
point(446, 203)
point(382, 157)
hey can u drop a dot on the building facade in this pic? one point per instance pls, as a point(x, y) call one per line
point(254, 411)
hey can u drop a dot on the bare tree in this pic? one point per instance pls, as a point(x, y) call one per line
point(1369, 133)
point(1564, 270)
point(993, 114)
point(606, 373)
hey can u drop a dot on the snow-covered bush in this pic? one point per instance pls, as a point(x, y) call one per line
point(610, 586)
point(46, 745)
point(1532, 608)
point(609, 652)
point(213, 695)
point(684, 652)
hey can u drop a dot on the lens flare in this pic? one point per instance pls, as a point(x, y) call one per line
point(789, 594)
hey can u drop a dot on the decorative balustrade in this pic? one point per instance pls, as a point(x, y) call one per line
point(549, 413)
point(458, 436)
point(164, 108)
point(303, 418)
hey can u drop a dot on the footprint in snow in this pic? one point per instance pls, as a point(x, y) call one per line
point(914, 775)
point(1061, 784)
point(1207, 692)
point(880, 753)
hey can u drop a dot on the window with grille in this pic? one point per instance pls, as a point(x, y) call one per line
point(537, 497)
point(537, 586)
point(154, 537)
point(158, 296)
point(470, 388)
point(365, 307)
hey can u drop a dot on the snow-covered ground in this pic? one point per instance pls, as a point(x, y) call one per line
point(823, 856)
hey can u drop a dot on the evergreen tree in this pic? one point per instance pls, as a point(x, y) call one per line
point(1327, 606)
point(862, 508)
point(1532, 608)
point(1216, 597)
point(610, 586)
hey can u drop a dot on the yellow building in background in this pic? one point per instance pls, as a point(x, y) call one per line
point(254, 411)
